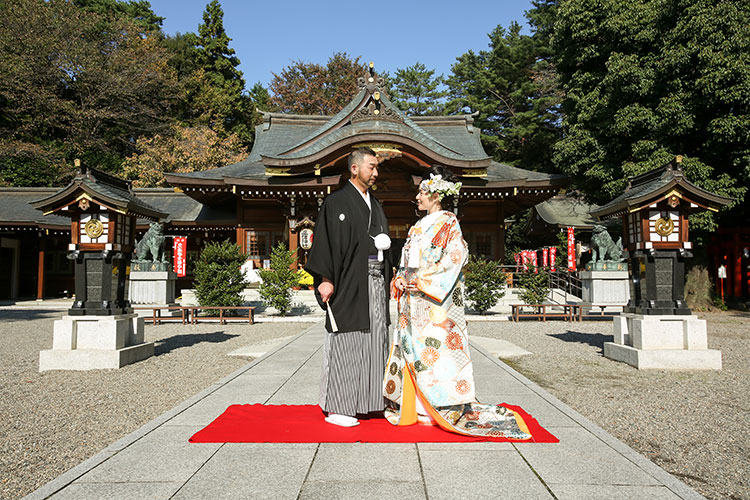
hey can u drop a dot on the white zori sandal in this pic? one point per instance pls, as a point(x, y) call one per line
point(341, 420)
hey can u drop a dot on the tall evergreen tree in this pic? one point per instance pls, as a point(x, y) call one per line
point(517, 102)
point(416, 91)
point(647, 80)
point(216, 88)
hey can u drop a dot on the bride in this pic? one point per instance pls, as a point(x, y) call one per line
point(429, 376)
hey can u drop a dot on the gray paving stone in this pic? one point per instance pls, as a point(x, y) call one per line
point(451, 474)
point(362, 490)
point(209, 408)
point(162, 455)
point(582, 458)
point(598, 492)
point(365, 462)
point(252, 470)
point(481, 445)
point(256, 383)
point(131, 491)
point(492, 383)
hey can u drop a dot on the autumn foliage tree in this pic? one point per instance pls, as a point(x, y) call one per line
point(314, 89)
point(182, 149)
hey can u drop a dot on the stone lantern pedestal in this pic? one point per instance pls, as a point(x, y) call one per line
point(96, 342)
point(665, 342)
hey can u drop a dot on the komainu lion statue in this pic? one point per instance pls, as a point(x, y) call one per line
point(151, 244)
point(603, 249)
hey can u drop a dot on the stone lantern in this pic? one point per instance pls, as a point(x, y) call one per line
point(100, 329)
point(657, 329)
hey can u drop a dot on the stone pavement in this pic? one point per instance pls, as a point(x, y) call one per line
point(157, 461)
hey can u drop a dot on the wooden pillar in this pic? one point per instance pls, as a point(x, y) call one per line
point(239, 238)
point(500, 247)
point(736, 266)
point(294, 246)
point(40, 273)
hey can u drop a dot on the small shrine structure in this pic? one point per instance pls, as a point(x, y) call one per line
point(657, 329)
point(100, 329)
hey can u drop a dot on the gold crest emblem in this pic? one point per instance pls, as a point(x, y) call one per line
point(94, 228)
point(664, 226)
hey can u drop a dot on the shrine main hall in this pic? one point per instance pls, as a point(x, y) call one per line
point(275, 194)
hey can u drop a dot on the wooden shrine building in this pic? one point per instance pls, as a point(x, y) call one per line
point(297, 160)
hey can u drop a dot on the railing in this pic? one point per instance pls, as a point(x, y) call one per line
point(566, 281)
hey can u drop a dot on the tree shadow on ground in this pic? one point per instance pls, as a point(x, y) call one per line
point(170, 344)
point(592, 339)
point(18, 315)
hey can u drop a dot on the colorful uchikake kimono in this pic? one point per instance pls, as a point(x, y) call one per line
point(430, 362)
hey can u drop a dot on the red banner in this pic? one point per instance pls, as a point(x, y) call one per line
point(545, 257)
point(571, 249)
point(179, 253)
point(552, 257)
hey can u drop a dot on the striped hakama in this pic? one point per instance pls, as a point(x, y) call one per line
point(351, 381)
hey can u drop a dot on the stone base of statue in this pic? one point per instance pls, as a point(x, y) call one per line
point(95, 343)
point(662, 342)
point(602, 288)
point(153, 289)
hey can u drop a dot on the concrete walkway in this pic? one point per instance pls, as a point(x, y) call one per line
point(157, 462)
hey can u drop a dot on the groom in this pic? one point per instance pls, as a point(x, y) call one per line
point(351, 276)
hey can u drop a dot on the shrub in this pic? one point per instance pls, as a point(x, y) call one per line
point(534, 286)
point(218, 278)
point(276, 289)
point(485, 283)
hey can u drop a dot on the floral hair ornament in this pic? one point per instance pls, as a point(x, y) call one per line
point(436, 184)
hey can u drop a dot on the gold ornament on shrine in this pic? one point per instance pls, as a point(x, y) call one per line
point(94, 228)
point(664, 226)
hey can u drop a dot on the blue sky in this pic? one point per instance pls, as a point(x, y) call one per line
point(269, 35)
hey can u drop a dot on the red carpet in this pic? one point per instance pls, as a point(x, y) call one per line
point(304, 424)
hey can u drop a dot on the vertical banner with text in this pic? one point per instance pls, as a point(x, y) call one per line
point(571, 249)
point(552, 257)
point(179, 252)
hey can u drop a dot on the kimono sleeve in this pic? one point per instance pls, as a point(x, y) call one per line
point(320, 261)
point(437, 279)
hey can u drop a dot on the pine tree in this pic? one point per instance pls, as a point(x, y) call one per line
point(416, 91)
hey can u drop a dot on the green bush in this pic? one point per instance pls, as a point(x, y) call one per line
point(276, 289)
point(218, 278)
point(534, 286)
point(485, 283)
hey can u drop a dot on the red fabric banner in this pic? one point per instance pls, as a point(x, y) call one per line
point(545, 257)
point(305, 424)
point(179, 254)
point(571, 249)
point(552, 257)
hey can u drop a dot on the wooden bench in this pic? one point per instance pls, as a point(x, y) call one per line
point(195, 318)
point(581, 311)
point(157, 318)
point(542, 311)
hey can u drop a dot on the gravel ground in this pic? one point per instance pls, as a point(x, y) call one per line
point(692, 424)
point(52, 421)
